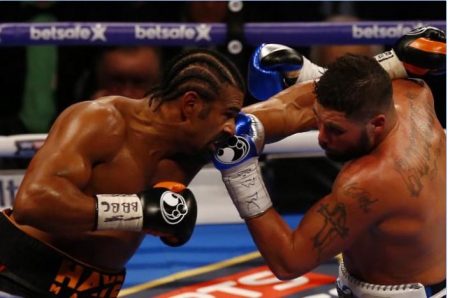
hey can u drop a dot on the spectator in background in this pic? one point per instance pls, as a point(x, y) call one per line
point(29, 80)
point(127, 71)
point(38, 104)
point(206, 11)
point(324, 55)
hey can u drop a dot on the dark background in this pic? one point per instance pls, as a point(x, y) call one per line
point(312, 177)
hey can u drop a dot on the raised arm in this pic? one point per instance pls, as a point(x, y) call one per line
point(274, 67)
point(287, 112)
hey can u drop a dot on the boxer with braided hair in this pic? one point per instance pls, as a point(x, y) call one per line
point(112, 171)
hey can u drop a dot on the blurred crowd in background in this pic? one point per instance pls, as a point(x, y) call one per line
point(38, 82)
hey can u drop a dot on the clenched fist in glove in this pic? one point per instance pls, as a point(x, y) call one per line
point(168, 209)
point(274, 67)
point(420, 52)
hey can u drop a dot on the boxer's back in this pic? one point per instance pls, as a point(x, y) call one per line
point(407, 243)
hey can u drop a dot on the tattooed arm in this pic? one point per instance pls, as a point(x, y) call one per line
point(328, 228)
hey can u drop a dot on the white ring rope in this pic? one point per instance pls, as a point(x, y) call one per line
point(205, 183)
point(24, 145)
point(305, 144)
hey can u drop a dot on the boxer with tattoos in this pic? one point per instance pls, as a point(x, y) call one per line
point(386, 212)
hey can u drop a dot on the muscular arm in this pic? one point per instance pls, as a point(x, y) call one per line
point(287, 112)
point(51, 195)
point(328, 228)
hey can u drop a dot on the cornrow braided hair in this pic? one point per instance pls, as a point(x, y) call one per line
point(200, 70)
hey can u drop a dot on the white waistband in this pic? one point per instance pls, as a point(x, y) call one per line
point(359, 289)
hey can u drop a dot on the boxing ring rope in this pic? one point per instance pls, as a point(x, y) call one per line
point(202, 34)
point(207, 182)
point(182, 34)
point(26, 145)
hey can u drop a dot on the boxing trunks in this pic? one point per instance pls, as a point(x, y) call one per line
point(349, 287)
point(31, 268)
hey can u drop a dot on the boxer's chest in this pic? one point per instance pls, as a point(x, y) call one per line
point(127, 172)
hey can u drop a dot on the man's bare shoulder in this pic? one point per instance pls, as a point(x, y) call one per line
point(356, 188)
point(107, 105)
point(97, 119)
point(104, 111)
point(412, 88)
point(372, 178)
point(369, 172)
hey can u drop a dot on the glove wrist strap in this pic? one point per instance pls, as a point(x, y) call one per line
point(390, 62)
point(119, 212)
point(247, 189)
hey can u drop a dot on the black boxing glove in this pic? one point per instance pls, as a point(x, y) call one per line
point(420, 52)
point(168, 208)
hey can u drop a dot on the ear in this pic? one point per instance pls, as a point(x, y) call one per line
point(377, 123)
point(191, 104)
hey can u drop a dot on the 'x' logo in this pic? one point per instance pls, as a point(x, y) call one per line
point(98, 32)
point(203, 32)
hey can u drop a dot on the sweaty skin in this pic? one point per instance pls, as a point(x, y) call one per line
point(386, 211)
point(114, 145)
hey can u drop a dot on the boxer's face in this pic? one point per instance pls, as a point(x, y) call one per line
point(128, 72)
point(216, 122)
point(342, 139)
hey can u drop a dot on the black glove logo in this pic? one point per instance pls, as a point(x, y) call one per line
point(234, 151)
point(173, 207)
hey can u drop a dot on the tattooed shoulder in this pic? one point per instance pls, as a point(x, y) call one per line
point(418, 162)
point(360, 195)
